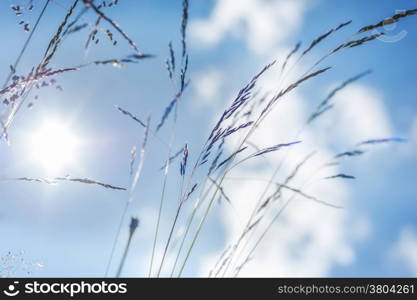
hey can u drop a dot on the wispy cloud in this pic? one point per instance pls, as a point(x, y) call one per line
point(359, 113)
point(262, 24)
point(308, 239)
point(208, 85)
point(405, 249)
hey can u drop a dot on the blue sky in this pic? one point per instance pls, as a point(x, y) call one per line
point(69, 227)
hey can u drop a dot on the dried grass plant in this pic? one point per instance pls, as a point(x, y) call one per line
point(202, 179)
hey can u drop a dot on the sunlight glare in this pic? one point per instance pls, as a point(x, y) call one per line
point(54, 146)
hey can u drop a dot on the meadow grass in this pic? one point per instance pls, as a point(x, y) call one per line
point(202, 179)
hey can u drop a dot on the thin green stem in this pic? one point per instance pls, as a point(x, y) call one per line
point(261, 237)
point(119, 229)
point(169, 240)
point(188, 226)
point(122, 262)
point(22, 51)
point(197, 234)
point(162, 200)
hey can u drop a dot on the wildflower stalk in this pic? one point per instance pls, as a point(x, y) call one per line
point(134, 223)
point(165, 180)
point(270, 106)
point(189, 222)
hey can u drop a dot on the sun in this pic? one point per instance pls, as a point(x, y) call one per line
point(54, 146)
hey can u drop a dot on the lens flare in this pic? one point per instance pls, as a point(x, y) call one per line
point(54, 146)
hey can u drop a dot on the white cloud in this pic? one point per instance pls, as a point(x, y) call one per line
point(362, 228)
point(359, 114)
point(405, 249)
point(309, 239)
point(208, 86)
point(410, 148)
point(413, 132)
point(262, 24)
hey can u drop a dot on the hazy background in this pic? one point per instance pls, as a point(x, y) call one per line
point(69, 228)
